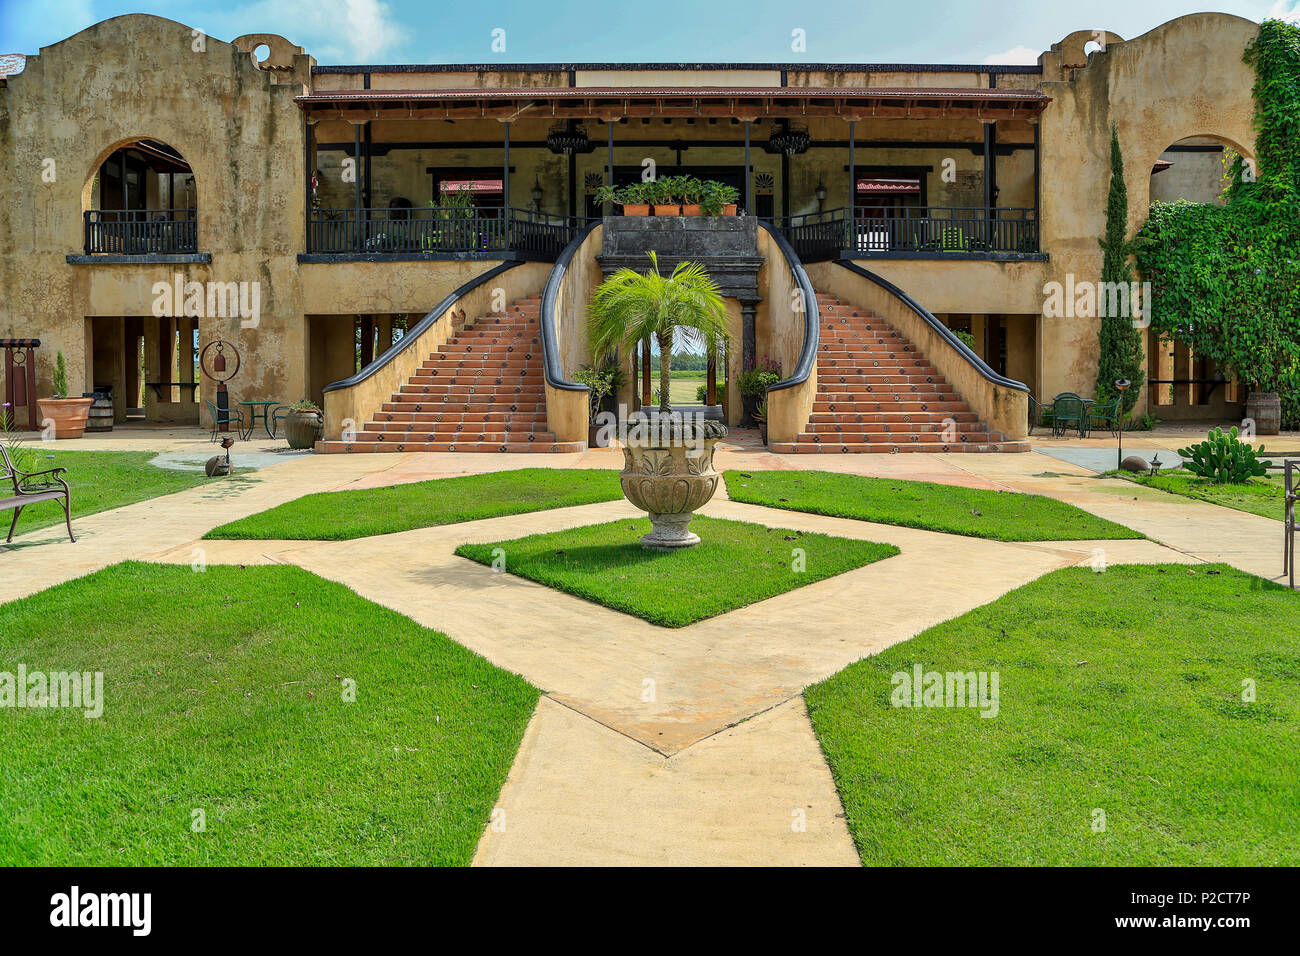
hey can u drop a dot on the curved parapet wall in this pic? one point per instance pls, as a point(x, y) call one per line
point(794, 333)
point(564, 333)
point(356, 398)
point(1001, 403)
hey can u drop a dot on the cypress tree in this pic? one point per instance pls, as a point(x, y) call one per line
point(1119, 351)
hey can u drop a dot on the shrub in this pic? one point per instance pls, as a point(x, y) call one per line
point(757, 378)
point(60, 376)
point(1223, 459)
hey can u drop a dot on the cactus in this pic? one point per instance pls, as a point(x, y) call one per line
point(1223, 459)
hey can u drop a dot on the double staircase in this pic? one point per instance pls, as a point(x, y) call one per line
point(877, 393)
point(482, 391)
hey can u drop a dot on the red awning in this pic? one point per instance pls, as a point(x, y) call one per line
point(889, 185)
point(473, 185)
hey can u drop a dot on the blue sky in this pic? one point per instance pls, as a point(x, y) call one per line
point(454, 31)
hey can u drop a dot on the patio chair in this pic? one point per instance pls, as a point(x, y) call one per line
point(231, 416)
point(1039, 414)
point(1107, 416)
point(1069, 412)
point(277, 416)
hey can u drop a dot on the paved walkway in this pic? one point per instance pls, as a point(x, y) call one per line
point(721, 766)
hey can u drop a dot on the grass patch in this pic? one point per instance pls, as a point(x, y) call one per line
point(975, 512)
point(736, 563)
point(1264, 496)
point(1119, 692)
point(101, 481)
point(223, 692)
point(343, 515)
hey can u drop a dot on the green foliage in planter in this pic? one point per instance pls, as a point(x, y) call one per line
point(304, 405)
point(1119, 354)
point(60, 376)
point(715, 196)
point(599, 382)
point(756, 379)
point(1223, 459)
point(1226, 279)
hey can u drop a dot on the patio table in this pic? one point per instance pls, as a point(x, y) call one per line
point(264, 410)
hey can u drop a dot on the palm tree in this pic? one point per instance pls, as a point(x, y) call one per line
point(630, 306)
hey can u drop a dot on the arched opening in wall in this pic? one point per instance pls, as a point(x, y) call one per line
point(140, 203)
point(142, 200)
point(1182, 385)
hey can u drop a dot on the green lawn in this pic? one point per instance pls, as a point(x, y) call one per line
point(736, 563)
point(342, 515)
point(100, 481)
point(223, 692)
point(1260, 496)
point(1119, 692)
point(978, 513)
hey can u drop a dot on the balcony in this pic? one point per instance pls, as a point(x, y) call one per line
point(141, 232)
point(971, 232)
point(471, 232)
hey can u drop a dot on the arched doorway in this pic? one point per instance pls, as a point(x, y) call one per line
point(142, 200)
point(1183, 386)
point(140, 203)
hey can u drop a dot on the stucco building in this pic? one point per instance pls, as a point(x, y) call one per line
point(168, 190)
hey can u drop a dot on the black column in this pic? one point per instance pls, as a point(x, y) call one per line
point(356, 179)
point(748, 337)
point(749, 176)
point(609, 167)
point(853, 184)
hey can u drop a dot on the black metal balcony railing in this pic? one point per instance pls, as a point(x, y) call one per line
point(431, 231)
point(141, 232)
point(912, 229)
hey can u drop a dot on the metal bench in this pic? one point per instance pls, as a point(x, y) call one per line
point(26, 494)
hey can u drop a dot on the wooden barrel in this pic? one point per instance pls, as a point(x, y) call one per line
point(1266, 409)
point(100, 418)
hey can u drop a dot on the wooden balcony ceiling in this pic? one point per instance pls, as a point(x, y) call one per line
point(617, 102)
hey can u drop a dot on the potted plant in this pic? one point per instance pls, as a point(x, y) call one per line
point(304, 425)
point(68, 415)
point(600, 383)
point(753, 384)
point(667, 460)
point(692, 191)
point(718, 199)
point(663, 195)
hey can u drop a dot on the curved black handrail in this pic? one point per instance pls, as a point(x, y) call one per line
point(812, 324)
point(415, 331)
point(944, 332)
point(551, 367)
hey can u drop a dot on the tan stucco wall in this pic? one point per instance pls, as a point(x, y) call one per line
point(567, 411)
point(137, 77)
point(237, 125)
point(1184, 78)
point(780, 326)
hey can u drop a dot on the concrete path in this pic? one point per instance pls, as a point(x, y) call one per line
point(654, 745)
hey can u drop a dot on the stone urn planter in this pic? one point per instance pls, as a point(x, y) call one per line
point(68, 414)
point(668, 473)
point(302, 429)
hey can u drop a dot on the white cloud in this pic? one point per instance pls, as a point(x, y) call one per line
point(333, 31)
point(1016, 56)
point(1288, 10)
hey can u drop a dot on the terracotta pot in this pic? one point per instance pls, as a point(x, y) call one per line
point(637, 209)
point(691, 210)
point(597, 436)
point(668, 472)
point(304, 429)
point(1266, 409)
point(68, 414)
point(667, 210)
point(729, 209)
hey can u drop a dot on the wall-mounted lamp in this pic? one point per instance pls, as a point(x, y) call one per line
point(820, 193)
